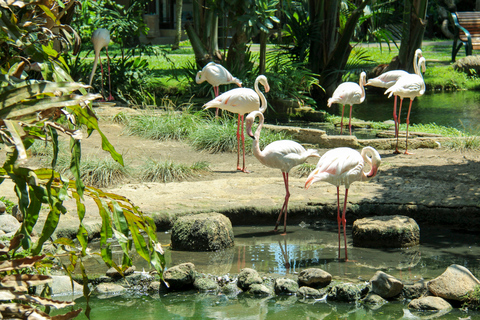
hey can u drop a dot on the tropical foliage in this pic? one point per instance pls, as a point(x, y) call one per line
point(41, 105)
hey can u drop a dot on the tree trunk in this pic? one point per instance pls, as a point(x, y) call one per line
point(330, 48)
point(237, 50)
point(412, 35)
point(202, 57)
point(178, 24)
point(263, 52)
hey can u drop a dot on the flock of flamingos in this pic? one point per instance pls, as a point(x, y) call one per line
point(339, 166)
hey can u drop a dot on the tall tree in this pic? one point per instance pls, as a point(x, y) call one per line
point(178, 24)
point(414, 24)
point(330, 40)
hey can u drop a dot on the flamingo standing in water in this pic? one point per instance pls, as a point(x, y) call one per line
point(216, 74)
point(281, 154)
point(409, 86)
point(349, 93)
point(100, 39)
point(389, 78)
point(343, 166)
point(242, 101)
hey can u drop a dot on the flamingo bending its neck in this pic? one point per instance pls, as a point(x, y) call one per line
point(281, 154)
point(343, 166)
point(216, 75)
point(242, 101)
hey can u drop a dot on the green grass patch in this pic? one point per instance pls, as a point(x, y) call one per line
point(169, 171)
point(304, 169)
point(103, 173)
point(8, 204)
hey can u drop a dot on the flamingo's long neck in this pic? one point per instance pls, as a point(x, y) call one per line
point(361, 82)
point(256, 142)
point(263, 101)
point(95, 63)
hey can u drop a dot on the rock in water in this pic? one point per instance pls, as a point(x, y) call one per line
point(202, 232)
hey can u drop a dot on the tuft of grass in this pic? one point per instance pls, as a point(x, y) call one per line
point(304, 169)
point(168, 171)
point(161, 126)
point(103, 173)
point(221, 136)
point(216, 136)
point(8, 204)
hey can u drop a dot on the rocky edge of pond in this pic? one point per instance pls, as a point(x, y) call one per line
point(449, 290)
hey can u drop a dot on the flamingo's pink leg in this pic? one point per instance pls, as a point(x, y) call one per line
point(284, 207)
point(408, 122)
point(350, 120)
point(344, 222)
point(110, 97)
point(216, 92)
point(339, 219)
point(341, 121)
point(238, 143)
point(395, 115)
point(243, 149)
point(101, 69)
point(398, 124)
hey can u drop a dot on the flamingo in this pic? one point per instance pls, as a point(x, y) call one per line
point(100, 39)
point(242, 101)
point(409, 86)
point(349, 93)
point(389, 78)
point(281, 154)
point(343, 166)
point(216, 74)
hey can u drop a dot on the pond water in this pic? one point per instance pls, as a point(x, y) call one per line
point(304, 246)
point(459, 109)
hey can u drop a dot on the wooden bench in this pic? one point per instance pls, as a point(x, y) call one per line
point(466, 33)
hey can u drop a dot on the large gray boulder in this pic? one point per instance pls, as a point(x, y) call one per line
point(202, 232)
point(248, 277)
point(386, 232)
point(345, 292)
point(314, 277)
point(181, 276)
point(8, 223)
point(454, 283)
point(386, 285)
point(429, 303)
point(285, 286)
point(62, 285)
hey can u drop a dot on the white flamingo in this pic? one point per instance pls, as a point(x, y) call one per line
point(101, 39)
point(281, 154)
point(349, 93)
point(409, 86)
point(242, 101)
point(389, 78)
point(216, 75)
point(343, 166)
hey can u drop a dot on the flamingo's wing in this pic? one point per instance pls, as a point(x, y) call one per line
point(409, 86)
point(238, 100)
point(346, 93)
point(387, 79)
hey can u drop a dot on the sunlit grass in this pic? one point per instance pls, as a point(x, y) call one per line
point(161, 126)
point(169, 171)
point(304, 169)
point(103, 172)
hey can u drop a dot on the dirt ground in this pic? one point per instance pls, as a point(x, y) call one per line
point(435, 185)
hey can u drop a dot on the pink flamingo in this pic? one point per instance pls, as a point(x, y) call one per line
point(281, 154)
point(349, 93)
point(242, 101)
point(100, 39)
point(216, 74)
point(343, 166)
point(389, 78)
point(409, 86)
